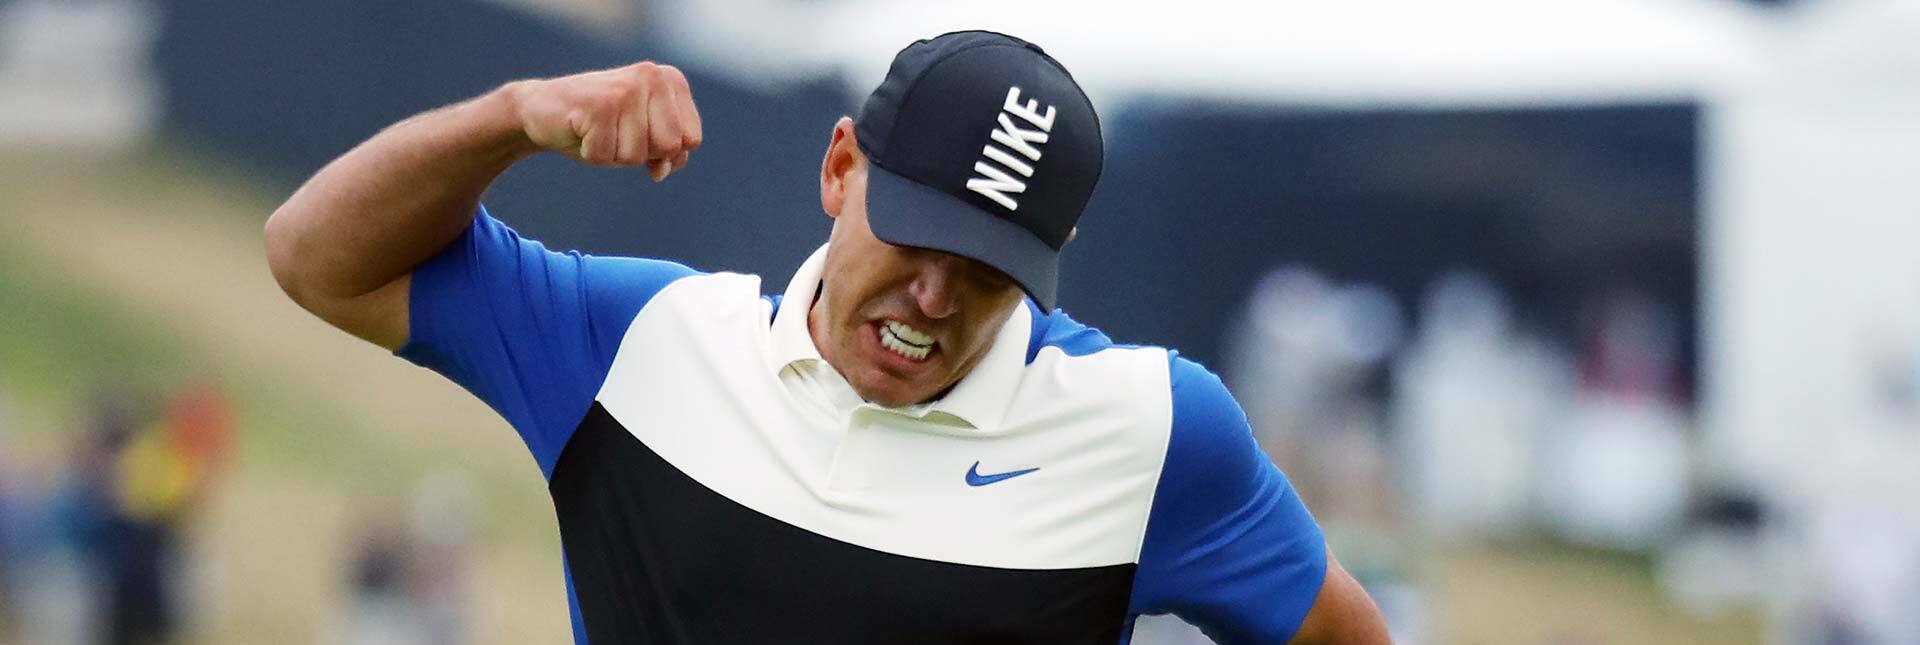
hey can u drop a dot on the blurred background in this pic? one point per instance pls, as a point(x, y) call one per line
point(1586, 322)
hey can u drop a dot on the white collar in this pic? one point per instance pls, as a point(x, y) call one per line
point(981, 397)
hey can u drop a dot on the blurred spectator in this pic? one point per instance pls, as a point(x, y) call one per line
point(1632, 350)
point(198, 430)
point(1274, 362)
point(378, 612)
point(164, 472)
point(71, 581)
point(42, 590)
point(103, 552)
point(13, 508)
point(1721, 560)
point(1306, 362)
point(1619, 463)
point(1474, 392)
point(409, 575)
point(444, 508)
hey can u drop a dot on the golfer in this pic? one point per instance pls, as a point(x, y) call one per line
point(910, 445)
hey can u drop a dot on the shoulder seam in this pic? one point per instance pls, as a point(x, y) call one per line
point(614, 357)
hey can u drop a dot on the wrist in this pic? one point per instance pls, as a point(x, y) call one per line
point(501, 110)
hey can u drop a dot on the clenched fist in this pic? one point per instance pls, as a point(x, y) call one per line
point(638, 114)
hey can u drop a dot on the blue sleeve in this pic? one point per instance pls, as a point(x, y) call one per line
point(1230, 547)
point(530, 331)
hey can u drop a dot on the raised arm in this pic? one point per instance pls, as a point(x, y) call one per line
point(345, 244)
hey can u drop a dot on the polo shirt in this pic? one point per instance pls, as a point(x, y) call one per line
point(716, 481)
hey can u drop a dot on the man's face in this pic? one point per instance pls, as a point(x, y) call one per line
point(901, 324)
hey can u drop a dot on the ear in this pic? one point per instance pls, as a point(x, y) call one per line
point(1071, 233)
point(843, 156)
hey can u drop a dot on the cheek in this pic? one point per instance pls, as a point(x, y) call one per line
point(874, 284)
point(852, 298)
point(987, 328)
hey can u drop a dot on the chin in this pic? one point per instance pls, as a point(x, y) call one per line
point(887, 398)
point(892, 397)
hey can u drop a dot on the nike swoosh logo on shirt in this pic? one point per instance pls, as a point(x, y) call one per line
point(974, 478)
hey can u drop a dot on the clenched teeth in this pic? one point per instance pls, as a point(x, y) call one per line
point(905, 340)
point(907, 333)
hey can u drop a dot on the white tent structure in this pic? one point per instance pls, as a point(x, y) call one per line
point(1812, 332)
point(1812, 209)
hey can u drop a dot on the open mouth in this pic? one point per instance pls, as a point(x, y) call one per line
point(901, 338)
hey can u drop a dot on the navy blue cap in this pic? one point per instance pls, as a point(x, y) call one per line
point(981, 145)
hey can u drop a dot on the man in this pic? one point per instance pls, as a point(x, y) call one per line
point(910, 445)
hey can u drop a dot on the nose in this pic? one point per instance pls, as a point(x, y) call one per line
point(933, 287)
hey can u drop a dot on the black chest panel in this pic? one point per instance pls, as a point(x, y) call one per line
point(658, 558)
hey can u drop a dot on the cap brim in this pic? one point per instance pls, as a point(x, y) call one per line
point(902, 211)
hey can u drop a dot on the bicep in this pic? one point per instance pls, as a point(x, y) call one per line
point(378, 317)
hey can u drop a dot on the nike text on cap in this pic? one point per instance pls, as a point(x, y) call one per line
point(981, 145)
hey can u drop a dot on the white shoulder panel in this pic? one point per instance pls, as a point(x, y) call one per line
point(693, 381)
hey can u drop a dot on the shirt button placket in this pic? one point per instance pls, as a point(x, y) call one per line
point(851, 471)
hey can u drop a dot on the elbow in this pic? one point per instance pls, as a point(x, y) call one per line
point(284, 258)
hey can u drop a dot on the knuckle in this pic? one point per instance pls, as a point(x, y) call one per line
point(610, 103)
point(622, 92)
point(648, 71)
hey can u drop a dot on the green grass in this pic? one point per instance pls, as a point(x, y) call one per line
point(62, 343)
point(58, 345)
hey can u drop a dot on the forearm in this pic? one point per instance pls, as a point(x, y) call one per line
point(1343, 613)
point(372, 215)
point(345, 245)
